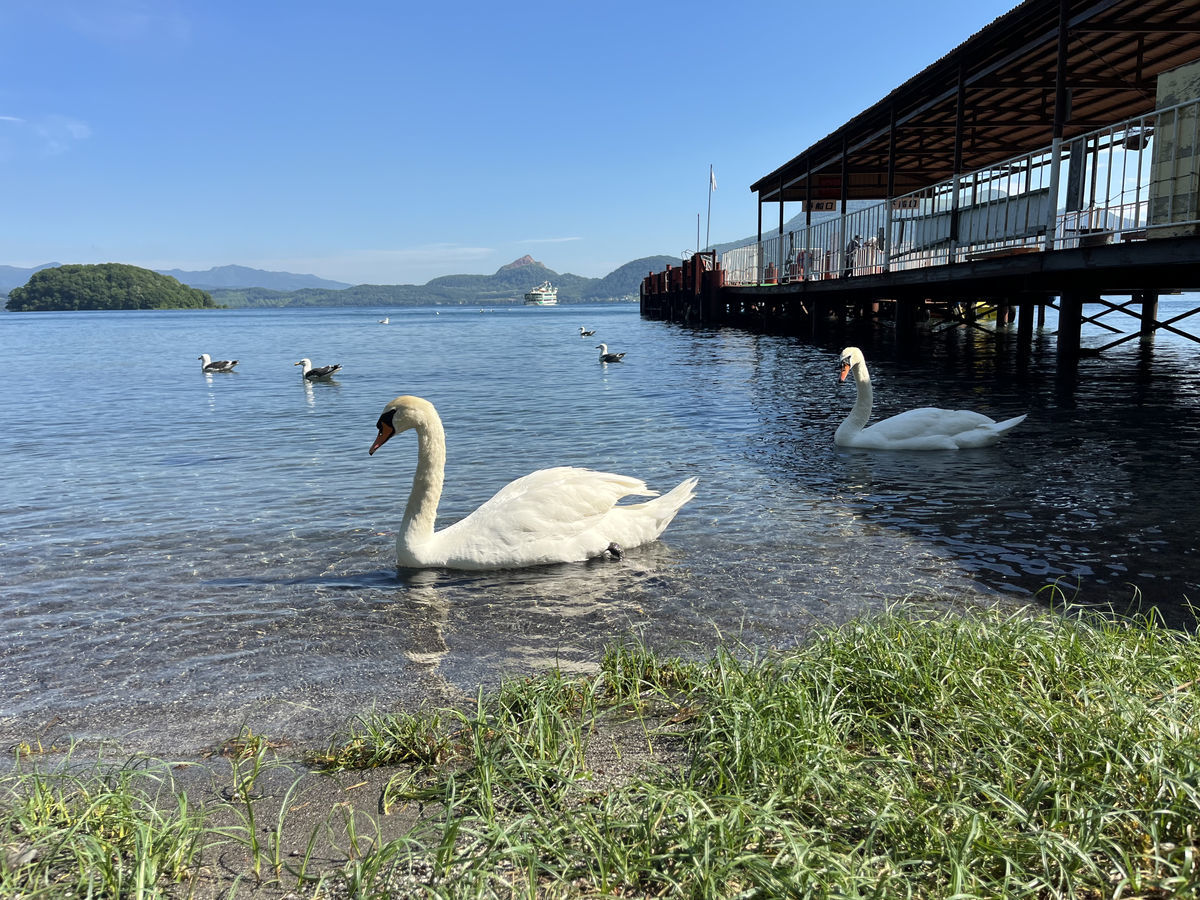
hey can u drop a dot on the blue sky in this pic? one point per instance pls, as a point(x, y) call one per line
point(392, 142)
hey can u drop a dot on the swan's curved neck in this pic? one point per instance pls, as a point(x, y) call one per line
point(421, 512)
point(858, 417)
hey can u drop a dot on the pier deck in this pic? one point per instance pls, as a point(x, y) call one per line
point(1053, 159)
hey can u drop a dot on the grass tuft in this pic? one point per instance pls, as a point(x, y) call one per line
point(103, 834)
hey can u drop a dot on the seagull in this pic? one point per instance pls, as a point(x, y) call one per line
point(207, 364)
point(383, 321)
point(607, 357)
point(583, 333)
point(319, 372)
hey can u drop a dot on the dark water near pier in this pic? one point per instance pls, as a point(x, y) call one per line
point(184, 554)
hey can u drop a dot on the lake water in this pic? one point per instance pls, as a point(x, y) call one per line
point(187, 554)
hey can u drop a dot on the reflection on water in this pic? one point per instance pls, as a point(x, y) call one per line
point(312, 387)
point(206, 551)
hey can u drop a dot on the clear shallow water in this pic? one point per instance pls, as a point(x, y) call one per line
point(184, 554)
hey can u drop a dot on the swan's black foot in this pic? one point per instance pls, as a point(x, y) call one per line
point(614, 551)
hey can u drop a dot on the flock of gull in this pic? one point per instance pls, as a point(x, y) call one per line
point(208, 365)
point(571, 514)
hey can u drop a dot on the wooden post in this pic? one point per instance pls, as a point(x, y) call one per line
point(1025, 321)
point(906, 321)
point(1070, 324)
point(1149, 313)
point(820, 310)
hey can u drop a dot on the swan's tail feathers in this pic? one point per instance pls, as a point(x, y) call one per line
point(1001, 427)
point(669, 504)
point(634, 524)
point(986, 434)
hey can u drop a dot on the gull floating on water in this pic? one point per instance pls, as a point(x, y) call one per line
point(607, 357)
point(319, 372)
point(207, 364)
point(383, 321)
point(585, 333)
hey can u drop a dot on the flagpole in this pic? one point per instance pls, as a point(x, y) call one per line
point(712, 184)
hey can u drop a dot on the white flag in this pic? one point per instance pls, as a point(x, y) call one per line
point(712, 179)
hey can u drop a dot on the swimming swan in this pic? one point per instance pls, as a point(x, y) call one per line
point(563, 514)
point(916, 429)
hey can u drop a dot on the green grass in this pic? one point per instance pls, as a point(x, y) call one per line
point(119, 833)
point(981, 755)
point(976, 755)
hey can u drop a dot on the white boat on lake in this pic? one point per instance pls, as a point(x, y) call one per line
point(545, 294)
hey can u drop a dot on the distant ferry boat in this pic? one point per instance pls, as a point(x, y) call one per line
point(545, 294)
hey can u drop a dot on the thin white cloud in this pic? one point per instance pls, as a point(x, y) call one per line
point(47, 135)
point(554, 240)
point(58, 133)
point(126, 20)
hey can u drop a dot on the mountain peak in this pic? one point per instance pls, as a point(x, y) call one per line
point(525, 260)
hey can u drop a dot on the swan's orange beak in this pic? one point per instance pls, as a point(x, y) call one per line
point(385, 432)
point(845, 371)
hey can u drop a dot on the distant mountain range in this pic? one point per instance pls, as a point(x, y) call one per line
point(225, 277)
point(12, 276)
point(242, 286)
point(216, 278)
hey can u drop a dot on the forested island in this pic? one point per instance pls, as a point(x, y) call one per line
point(104, 286)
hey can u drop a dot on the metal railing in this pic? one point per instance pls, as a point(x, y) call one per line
point(1133, 180)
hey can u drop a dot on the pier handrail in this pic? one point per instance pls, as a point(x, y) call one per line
point(1131, 180)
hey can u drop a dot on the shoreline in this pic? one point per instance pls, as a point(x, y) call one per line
point(895, 729)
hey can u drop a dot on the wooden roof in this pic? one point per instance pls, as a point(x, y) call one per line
point(1114, 52)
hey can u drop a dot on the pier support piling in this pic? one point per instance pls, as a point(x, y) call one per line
point(1149, 300)
point(1070, 326)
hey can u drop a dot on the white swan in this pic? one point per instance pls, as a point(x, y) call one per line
point(221, 365)
point(320, 372)
point(605, 356)
point(554, 515)
point(916, 429)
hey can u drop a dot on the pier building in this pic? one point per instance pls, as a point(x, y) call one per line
point(1050, 161)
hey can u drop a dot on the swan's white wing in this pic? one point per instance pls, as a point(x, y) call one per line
point(547, 516)
point(933, 429)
